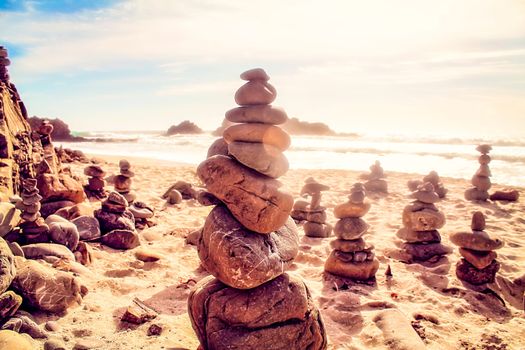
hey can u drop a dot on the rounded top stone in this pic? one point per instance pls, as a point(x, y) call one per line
point(432, 177)
point(311, 186)
point(94, 170)
point(484, 148)
point(476, 240)
point(255, 74)
point(425, 193)
point(124, 164)
point(478, 221)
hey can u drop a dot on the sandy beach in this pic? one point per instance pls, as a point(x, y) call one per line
point(445, 313)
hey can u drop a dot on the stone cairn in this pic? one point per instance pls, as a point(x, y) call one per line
point(375, 181)
point(313, 213)
point(96, 182)
point(34, 228)
point(352, 257)
point(481, 179)
point(122, 182)
point(421, 221)
point(434, 179)
point(479, 264)
point(4, 62)
point(249, 238)
point(117, 223)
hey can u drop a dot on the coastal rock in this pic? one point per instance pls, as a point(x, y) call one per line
point(84, 254)
point(265, 159)
point(478, 240)
point(265, 114)
point(184, 127)
point(65, 233)
point(254, 200)
point(255, 92)
point(284, 316)
point(42, 250)
point(350, 228)
point(467, 272)
point(243, 259)
point(359, 271)
point(423, 220)
point(88, 228)
point(7, 266)
point(218, 147)
point(121, 239)
point(258, 133)
point(45, 288)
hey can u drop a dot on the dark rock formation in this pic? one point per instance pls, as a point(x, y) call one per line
point(185, 127)
point(60, 131)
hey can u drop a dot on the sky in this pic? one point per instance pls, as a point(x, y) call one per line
point(442, 67)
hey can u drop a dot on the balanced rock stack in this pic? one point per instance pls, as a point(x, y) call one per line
point(34, 228)
point(123, 181)
point(96, 182)
point(249, 238)
point(314, 213)
point(479, 264)
point(117, 223)
point(481, 179)
point(421, 221)
point(4, 62)
point(376, 179)
point(434, 179)
point(352, 257)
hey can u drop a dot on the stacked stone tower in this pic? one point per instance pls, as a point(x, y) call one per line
point(249, 239)
point(315, 217)
point(34, 228)
point(481, 179)
point(479, 264)
point(96, 182)
point(421, 221)
point(123, 181)
point(375, 180)
point(352, 257)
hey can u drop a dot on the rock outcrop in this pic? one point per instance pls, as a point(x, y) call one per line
point(185, 127)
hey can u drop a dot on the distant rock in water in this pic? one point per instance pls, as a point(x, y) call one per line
point(185, 127)
point(60, 131)
point(297, 127)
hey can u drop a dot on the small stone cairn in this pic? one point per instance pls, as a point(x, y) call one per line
point(481, 179)
point(375, 181)
point(34, 229)
point(314, 213)
point(434, 179)
point(122, 182)
point(421, 221)
point(96, 183)
point(352, 257)
point(249, 239)
point(479, 264)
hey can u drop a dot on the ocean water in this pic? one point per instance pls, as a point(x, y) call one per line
point(449, 157)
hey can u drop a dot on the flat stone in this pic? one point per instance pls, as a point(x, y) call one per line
point(10, 340)
point(473, 194)
point(478, 221)
point(352, 246)
point(425, 251)
point(243, 259)
point(467, 272)
point(65, 233)
point(7, 266)
point(112, 221)
point(279, 314)
point(477, 240)
point(301, 205)
point(88, 228)
point(265, 159)
point(316, 216)
point(96, 184)
point(376, 185)
point(255, 92)
point(41, 250)
point(141, 210)
point(54, 344)
point(351, 210)
point(482, 183)
point(121, 239)
point(117, 198)
point(479, 259)
point(484, 149)
point(350, 228)
point(418, 206)
point(423, 220)
point(298, 215)
point(258, 133)
point(317, 230)
point(87, 344)
point(46, 288)
point(218, 146)
point(265, 114)
point(359, 271)
point(428, 197)
point(508, 195)
point(94, 171)
point(255, 74)
point(412, 236)
point(147, 255)
point(253, 199)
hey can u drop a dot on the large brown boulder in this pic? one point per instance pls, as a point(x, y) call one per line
point(279, 314)
point(61, 187)
point(254, 199)
point(45, 288)
point(241, 258)
point(7, 266)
